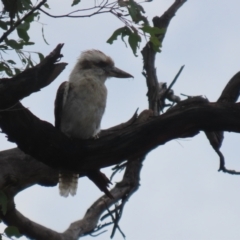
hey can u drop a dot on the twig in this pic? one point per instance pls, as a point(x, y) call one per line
point(115, 221)
point(173, 82)
point(118, 168)
point(81, 10)
point(78, 16)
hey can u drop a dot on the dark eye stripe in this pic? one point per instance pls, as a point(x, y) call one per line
point(102, 64)
point(86, 64)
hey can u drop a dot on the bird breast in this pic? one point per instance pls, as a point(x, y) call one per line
point(84, 107)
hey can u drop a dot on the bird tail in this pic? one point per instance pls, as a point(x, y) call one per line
point(68, 183)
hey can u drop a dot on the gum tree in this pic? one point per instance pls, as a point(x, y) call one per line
point(45, 149)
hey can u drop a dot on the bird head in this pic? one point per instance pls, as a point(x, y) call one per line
point(99, 64)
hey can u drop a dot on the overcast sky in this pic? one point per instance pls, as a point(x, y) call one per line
point(182, 195)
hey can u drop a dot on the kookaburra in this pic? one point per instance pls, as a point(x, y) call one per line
point(80, 104)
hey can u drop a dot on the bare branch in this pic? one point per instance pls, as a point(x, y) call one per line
point(44, 142)
point(123, 189)
point(103, 5)
point(75, 16)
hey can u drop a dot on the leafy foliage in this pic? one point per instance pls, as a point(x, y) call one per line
point(137, 27)
point(15, 17)
point(20, 14)
point(136, 12)
point(133, 38)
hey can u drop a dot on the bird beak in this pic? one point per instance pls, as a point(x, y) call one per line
point(118, 73)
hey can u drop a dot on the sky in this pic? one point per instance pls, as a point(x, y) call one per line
point(182, 195)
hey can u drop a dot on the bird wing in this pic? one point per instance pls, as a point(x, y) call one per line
point(60, 102)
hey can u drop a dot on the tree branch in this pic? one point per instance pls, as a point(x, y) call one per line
point(77, 16)
point(19, 171)
point(35, 172)
point(148, 53)
point(44, 142)
point(31, 80)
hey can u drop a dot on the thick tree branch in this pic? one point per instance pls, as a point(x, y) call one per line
point(44, 142)
point(25, 163)
point(27, 227)
point(19, 171)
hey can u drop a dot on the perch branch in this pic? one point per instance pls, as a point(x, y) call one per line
point(48, 145)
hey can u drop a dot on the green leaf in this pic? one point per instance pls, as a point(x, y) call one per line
point(3, 46)
point(11, 62)
point(46, 5)
point(3, 197)
point(133, 10)
point(31, 17)
point(24, 61)
point(27, 5)
point(125, 33)
point(23, 34)
point(24, 26)
point(4, 68)
point(9, 72)
point(75, 2)
point(153, 30)
point(3, 25)
point(13, 44)
point(18, 6)
point(41, 57)
point(44, 36)
point(156, 44)
point(29, 43)
point(115, 35)
point(12, 231)
point(134, 40)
